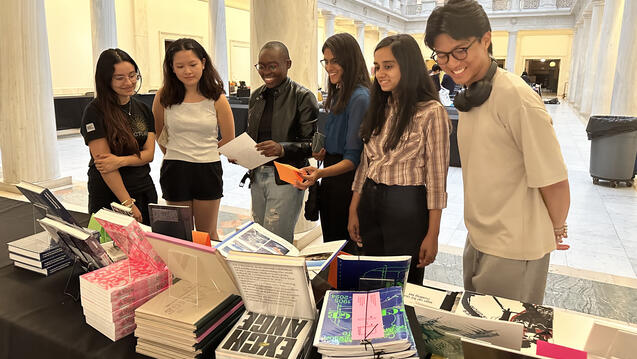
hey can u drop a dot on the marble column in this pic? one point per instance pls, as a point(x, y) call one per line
point(360, 34)
point(217, 38)
point(582, 58)
point(142, 47)
point(511, 51)
point(382, 33)
point(575, 53)
point(103, 27)
point(592, 58)
point(27, 118)
point(295, 24)
point(608, 49)
point(328, 17)
point(624, 101)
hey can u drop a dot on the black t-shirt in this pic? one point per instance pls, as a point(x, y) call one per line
point(141, 122)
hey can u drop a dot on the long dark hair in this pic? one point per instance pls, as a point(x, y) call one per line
point(118, 132)
point(173, 91)
point(414, 86)
point(348, 55)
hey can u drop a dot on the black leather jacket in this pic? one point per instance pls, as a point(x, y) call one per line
point(294, 118)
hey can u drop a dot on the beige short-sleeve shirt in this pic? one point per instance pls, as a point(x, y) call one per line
point(509, 150)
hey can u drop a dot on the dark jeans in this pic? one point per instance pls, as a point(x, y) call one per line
point(393, 221)
point(97, 201)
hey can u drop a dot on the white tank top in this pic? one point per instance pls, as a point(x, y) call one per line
point(192, 132)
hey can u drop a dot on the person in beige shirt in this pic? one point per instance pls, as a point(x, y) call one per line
point(515, 181)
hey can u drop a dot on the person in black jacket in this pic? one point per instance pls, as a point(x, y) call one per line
point(282, 119)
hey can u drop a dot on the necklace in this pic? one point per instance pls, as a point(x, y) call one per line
point(130, 104)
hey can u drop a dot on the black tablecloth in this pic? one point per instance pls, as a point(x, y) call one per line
point(37, 320)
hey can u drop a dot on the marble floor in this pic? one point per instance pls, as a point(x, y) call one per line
point(602, 220)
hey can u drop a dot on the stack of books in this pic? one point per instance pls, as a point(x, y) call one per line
point(38, 253)
point(111, 294)
point(190, 319)
point(370, 324)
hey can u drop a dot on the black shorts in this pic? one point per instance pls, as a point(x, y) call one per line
point(184, 181)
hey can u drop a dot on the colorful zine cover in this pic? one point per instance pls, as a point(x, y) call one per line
point(368, 272)
point(334, 331)
point(537, 319)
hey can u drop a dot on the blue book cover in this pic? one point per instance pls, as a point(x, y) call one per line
point(368, 272)
point(334, 330)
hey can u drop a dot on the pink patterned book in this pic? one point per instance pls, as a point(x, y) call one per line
point(124, 310)
point(127, 234)
point(122, 283)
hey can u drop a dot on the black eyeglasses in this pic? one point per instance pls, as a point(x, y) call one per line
point(459, 54)
point(326, 62)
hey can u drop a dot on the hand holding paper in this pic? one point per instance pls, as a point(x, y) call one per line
point(242, 149)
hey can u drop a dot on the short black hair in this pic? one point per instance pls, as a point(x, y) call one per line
point(277, 45)
point(460, 19)
point(436, 67)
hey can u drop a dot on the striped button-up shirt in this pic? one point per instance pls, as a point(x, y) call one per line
point(420, 158)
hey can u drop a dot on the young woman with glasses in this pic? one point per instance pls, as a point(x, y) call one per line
point(347, 102)
point(120, 133)
point(188, 109)
point(400, 185)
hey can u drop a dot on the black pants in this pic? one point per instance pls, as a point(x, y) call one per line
point(102, 199)
point(335, 196)
point(393, 221)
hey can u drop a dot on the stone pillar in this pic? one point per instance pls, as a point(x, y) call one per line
point(575, 54)
point(624, 101)
point(103, 27)
point(592, 58)
point(27, 118)
point(360, 34)
point(511, 51)
point(295, 24)
point(582, 58)
point(608, 48)
point(142, 51)
point(382, 33)
point(329, 23)
point(217, 38)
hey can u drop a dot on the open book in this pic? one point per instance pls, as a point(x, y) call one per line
point(279, 301)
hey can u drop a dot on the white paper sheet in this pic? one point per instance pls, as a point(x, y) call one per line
point(242, 150)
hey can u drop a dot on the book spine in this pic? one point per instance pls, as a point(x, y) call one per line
point(129, 294)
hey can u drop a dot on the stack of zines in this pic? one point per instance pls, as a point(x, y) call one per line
point(38, 253)
point(370, 324)
point(190, 318)
point(111, 294)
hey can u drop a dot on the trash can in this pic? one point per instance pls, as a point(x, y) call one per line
point(613, 148)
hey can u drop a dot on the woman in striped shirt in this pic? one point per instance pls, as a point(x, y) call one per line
point(400, 184)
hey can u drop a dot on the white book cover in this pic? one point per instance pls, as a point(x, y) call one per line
point(256, 239)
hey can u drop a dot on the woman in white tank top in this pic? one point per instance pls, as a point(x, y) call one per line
point(188, 110)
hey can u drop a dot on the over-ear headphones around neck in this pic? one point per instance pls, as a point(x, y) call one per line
point(477, 93)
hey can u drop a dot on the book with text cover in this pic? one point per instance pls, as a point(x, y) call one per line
point(416, 295)
point(38, 246)
point(265, 336)
point(43, 198)
point(273, 284)
point(537, 319)
point(363, 323)
point(170, 220)
point(47, 263)
point(45, 271)
point(372, 272)
point(77, 242)
point(320, 256)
